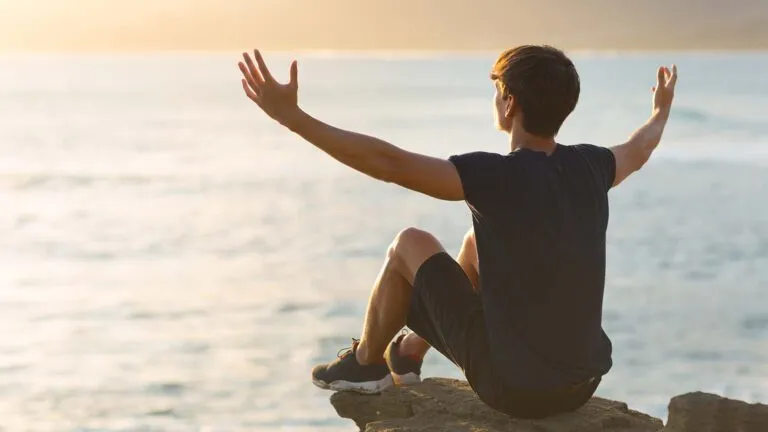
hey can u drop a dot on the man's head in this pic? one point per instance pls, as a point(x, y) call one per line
point(537, 88)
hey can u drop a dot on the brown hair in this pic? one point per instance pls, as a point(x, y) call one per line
point(544, 83)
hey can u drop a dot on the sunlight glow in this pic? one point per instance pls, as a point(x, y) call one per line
point(203, 25)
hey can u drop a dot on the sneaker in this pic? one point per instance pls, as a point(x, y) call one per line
point(346, 374)
point(406, 370)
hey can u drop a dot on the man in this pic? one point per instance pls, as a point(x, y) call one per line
point(520, 310)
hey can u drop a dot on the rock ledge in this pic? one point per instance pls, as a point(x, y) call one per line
point(439, 404)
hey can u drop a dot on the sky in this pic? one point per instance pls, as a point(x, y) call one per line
point(148, 25)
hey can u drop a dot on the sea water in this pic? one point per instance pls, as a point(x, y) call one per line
point(171, 259)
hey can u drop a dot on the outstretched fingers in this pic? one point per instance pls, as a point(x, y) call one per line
point(252, 95)
point(673, 77)
point(261, 87)
point(294, 80)
point(661, 77)
point(248, 78)
point(251, 73)
point(263, 67)
point(666, 78)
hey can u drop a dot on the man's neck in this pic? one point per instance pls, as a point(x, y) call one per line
point(531, 142)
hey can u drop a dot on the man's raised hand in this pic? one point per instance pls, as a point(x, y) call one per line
point(664, 90)
point(277, 100)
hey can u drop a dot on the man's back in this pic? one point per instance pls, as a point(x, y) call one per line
point(540, 223)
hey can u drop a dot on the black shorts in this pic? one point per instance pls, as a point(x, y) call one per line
point(448, 314)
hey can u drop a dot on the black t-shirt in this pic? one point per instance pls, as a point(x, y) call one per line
point(540, 224)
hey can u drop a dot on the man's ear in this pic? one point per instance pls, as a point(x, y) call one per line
point(509, 106)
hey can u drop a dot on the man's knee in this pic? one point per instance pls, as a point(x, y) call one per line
point(411, 248)
point(411, 240)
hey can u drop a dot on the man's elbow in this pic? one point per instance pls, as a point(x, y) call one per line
point(388, 168)
point(631, 163)
point(640, 158)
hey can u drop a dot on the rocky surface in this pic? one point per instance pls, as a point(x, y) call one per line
point(703, 412)
point(439, 404)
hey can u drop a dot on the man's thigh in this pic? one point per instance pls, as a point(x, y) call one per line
point(448, 314)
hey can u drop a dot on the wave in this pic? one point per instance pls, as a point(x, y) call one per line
point(169, 183)
point(38, 181)
point(693, 114)
point(724, 151)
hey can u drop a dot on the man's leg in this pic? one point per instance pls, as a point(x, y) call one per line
point(362, 368)
point(414, 345)
point(391, 297)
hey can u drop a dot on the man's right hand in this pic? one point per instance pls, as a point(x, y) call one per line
point(635, 152)
point(277, 100)
point(664, 91)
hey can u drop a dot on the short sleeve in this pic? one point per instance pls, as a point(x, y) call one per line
point(481, 177)
point(603, 163)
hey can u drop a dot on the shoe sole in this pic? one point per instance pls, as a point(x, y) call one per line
point(367, 387)
point(407, 379)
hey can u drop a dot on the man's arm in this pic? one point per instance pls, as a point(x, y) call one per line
point(381, 160)
point(635, 152)
point(429, 175)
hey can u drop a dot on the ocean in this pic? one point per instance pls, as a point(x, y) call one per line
point(172, 260)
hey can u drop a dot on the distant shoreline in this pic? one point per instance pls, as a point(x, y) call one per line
point(386, 53)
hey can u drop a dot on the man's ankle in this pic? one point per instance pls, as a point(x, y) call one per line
point(361, 354)
point(413, 346)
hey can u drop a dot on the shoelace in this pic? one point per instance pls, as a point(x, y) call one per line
point(346, 351)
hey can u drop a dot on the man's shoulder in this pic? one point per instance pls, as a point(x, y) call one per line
point(587, 148)
point(478, 159)
point(478, 154)
point(584, 146)
point(600, 160)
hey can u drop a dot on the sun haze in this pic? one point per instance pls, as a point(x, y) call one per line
point(148, 25)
